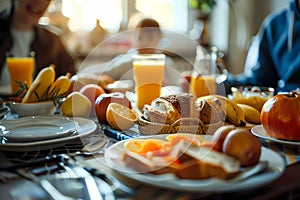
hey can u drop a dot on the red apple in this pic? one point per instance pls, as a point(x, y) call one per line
point(92, 91)
point(280, 116)
point(104, 100)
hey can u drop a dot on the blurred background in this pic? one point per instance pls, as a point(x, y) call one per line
point(227, 25)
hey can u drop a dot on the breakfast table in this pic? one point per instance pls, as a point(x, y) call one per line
point(88, 152)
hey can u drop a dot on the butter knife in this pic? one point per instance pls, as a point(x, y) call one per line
point(91, 187)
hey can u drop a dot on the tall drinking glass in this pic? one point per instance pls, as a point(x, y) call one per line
point(20, 69)
point(205, 74)
point(148, 72)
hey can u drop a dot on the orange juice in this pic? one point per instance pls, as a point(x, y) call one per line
point(20, 69)
point(203, 85)
point(148, 72)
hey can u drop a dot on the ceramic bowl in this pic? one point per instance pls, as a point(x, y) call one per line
point(254, 96)
point(31, 109)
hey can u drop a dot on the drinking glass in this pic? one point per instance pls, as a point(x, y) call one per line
point(206, 74)
point(20, 69)
point(148, 73)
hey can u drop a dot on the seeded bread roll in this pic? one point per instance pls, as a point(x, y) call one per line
point(184, 104)
point(207, 114)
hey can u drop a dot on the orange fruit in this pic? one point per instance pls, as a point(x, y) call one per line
point(134, 145)
point(220, 135)
point(120, 117)
point(144, 145)
point(191, 138)
point(242, 145)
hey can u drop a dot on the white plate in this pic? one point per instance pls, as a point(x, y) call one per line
point(85, 127)
point(260, 132)
point(37, 128)
point(169, 181)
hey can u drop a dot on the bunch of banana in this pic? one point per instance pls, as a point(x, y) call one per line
point(232, 112)
point(60, 86)
point(45, 87)
point(38, 88)
point(252, 115)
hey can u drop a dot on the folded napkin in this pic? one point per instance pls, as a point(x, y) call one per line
point(289, 153)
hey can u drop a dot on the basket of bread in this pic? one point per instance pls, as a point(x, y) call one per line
point(183, 113)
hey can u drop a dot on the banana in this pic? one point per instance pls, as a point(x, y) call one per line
point(252, 115)
point(234, 113)
point(40, 85)
point(60, 86)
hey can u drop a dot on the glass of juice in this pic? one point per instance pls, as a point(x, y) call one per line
point(205, 74)
point(20, 69)
point(148, 73)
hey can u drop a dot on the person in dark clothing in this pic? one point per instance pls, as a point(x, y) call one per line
point(21, 34)
point(277, 45)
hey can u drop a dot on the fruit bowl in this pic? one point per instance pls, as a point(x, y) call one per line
point(30, 109)
point(254, 96)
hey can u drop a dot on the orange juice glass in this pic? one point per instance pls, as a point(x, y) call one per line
point(205, 74)
point(20, 69)
point(148, 72)
point(202, 85)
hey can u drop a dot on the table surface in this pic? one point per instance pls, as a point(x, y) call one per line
point(285, 187)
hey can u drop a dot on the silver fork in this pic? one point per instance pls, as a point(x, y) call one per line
point(44, 184)
point(90, 185)
point(115, 184)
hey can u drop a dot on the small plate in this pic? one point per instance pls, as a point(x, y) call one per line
point(260, 132)
point(37, 128)
point(85, 127)
point(29, 109)
point(275, 169)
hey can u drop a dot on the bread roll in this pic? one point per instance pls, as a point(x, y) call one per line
point(154, 115)
point(215, 103)
point(184, 104)
point(161, 111)
point(207, 113)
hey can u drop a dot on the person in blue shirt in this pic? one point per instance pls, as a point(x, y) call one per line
point(276, 50)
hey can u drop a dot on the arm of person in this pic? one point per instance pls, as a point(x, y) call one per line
point(259, 67)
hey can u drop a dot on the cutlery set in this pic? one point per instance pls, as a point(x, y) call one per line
point(61, 169)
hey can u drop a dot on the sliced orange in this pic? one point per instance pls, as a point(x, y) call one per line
point(191, 138)
point(120, 117)
point(134, 145)
point(144, 145)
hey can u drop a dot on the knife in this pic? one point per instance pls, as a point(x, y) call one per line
point(91, 187)
point(116, 134)
point(40, 161)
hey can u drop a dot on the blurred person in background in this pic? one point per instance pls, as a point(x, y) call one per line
point(145, 40)
point(273, 58)
point(20, 34)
